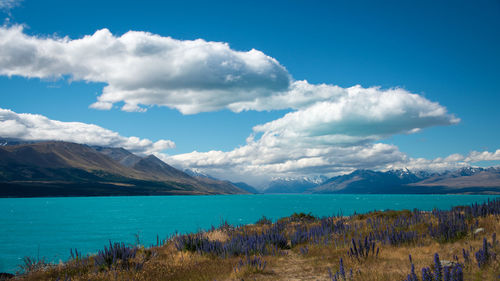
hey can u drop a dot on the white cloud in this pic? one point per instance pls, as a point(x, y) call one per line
point(358, 114)
point(146, 69)
point(422, 164)
point(37, 127)
point(256, 163)
point(272, 155)
point(477, 156)
point(9, 4)
point(450, 162)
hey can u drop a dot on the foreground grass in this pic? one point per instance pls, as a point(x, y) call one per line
point(373, 246)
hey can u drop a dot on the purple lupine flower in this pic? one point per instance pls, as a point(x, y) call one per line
point(341, 268)
point(438, 270)
point(483, 255)
point(446, 274)
point(466, 256)
point(426, 274)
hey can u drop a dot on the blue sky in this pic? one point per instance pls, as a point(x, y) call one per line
point(445, 52)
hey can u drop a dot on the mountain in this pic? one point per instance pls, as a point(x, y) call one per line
point(150, 165)
point(246, 187)
point(366, 181)
point(197, 174)
point(463, 178)
point(38, 159)
point(161, 171)
point(293, 185)
point(208, 179)
point(70, 169)
point(121, 155)
point(32, 169)
point(466, 180)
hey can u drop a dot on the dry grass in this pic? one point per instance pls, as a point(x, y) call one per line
point(217, 235)
point(392, 263)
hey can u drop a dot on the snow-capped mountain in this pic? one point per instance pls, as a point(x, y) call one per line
point(294, 184)
point(464, 180)
point(197, 173)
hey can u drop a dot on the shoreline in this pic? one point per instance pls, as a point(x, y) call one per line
point(243, 194)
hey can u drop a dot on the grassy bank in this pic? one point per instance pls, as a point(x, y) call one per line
point(459, 244)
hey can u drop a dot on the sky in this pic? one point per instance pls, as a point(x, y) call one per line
point(251, 90)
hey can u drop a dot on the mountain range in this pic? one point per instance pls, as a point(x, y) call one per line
point(467, 180)
point(55, 168)
point(31, 169)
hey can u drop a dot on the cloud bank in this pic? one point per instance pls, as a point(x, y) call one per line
point(37, 127)
point(450, 162)
point(256, 162)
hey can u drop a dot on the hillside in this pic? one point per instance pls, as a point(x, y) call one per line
point(70, 169)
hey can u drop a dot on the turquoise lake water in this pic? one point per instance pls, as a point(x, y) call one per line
point(49, 227)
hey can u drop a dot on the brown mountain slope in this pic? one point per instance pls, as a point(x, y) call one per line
point(80, 167)
point(60, 155)
point(161, 171)
point(154, 167)
point(120, 155)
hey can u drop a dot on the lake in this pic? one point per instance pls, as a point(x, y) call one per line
point(50, 227)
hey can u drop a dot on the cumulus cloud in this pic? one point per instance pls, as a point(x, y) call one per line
point(141, 68)
point(37, 127)
point(359, 114)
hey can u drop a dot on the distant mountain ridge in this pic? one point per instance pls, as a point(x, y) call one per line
point(56, 168)
point(294, 184)
point(465, 177)
point(465, 180)
point(207, 178)
point(247, 187)
point(68, 169)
